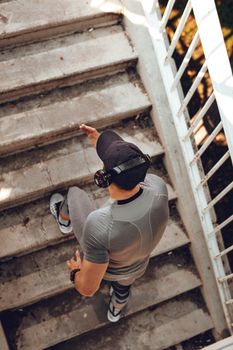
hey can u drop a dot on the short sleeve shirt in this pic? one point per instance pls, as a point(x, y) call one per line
point(124, 235)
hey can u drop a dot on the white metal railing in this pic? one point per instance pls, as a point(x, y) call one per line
point(216, 62)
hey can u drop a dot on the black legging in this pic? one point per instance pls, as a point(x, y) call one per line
point(121, 293)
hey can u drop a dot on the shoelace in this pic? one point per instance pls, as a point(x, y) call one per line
point(56, 208)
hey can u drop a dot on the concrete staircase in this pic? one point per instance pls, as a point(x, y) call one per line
point(62, 64)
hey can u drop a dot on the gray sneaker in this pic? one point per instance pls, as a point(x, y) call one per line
point(55, 204)
point(113, 314)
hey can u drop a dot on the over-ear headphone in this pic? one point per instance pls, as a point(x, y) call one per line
point(103, 178)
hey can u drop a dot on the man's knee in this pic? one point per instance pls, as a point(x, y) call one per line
point(73, 191)
point(75, 194)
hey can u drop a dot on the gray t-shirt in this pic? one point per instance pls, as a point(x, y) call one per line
point(125, 234)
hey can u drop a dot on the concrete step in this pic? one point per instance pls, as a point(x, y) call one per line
point(36, 173)
point(155, 329)
point(45, 324)
point(37, 68)
point(36, 276)
point(33, 227)
point(25, 21)
point(44, 273)
point(102, 104)
point(34, 233)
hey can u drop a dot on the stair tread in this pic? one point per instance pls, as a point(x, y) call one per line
point(167, 325)
point(82, 57)
point(20, 17)
point(39, 232)
point(48, 328)
point(118, 98)
point(43, 280)
point(38, 279)
point(31, 182)
point(173, 238)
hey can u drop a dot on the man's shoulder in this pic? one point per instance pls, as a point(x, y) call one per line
point(97, 226)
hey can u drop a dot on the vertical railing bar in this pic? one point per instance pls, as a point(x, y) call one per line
point(224, 252)
point(179, 29)
point(186, 59)
point(208, 141)
point(225, 278)
point(221, 226)
point(219, 66)
point(200, 115)
point(218, 197)
point(214, 169)
point(167, 13)
point(193, 88)
point(206, 17)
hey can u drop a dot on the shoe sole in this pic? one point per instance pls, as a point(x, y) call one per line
point(111, 319)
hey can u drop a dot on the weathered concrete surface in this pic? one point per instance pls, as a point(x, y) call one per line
point(25, 184)
point(39, 275)
point(173, 238)
point(38, 280)
point(166, 278)
point(87, 58)
point(47, 124)
point(22, 21)
point(58, 312)
point(39, 232)
point(155, 329)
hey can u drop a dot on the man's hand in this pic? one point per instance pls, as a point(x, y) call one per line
point(92, 134)
point(88, 280)
point(75, 264)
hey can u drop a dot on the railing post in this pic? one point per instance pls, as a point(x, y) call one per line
point(217, 61)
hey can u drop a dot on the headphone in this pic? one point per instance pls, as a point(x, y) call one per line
point(103, 178)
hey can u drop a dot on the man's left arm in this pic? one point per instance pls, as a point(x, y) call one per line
point(87, 280)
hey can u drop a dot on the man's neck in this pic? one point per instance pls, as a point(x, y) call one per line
point(119, 194)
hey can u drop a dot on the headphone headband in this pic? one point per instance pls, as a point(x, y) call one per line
point(129, 164)
point(103, 178)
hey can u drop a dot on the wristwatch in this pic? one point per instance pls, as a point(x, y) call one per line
point(72, 274)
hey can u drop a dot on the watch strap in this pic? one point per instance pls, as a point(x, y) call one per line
point(72, 274)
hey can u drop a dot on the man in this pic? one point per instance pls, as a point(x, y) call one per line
point(116, 240)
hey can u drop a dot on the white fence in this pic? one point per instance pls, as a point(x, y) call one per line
point(217, 64)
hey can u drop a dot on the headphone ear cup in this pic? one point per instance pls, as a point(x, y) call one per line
point(102, 178)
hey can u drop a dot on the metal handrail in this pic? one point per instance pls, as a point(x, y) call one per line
point(200, 115)
point(179, 30)
point(193, 88)
point(186, 59)
point(217, 63)
point(214, 168)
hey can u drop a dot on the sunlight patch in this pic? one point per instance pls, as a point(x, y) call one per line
point(5, 193)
